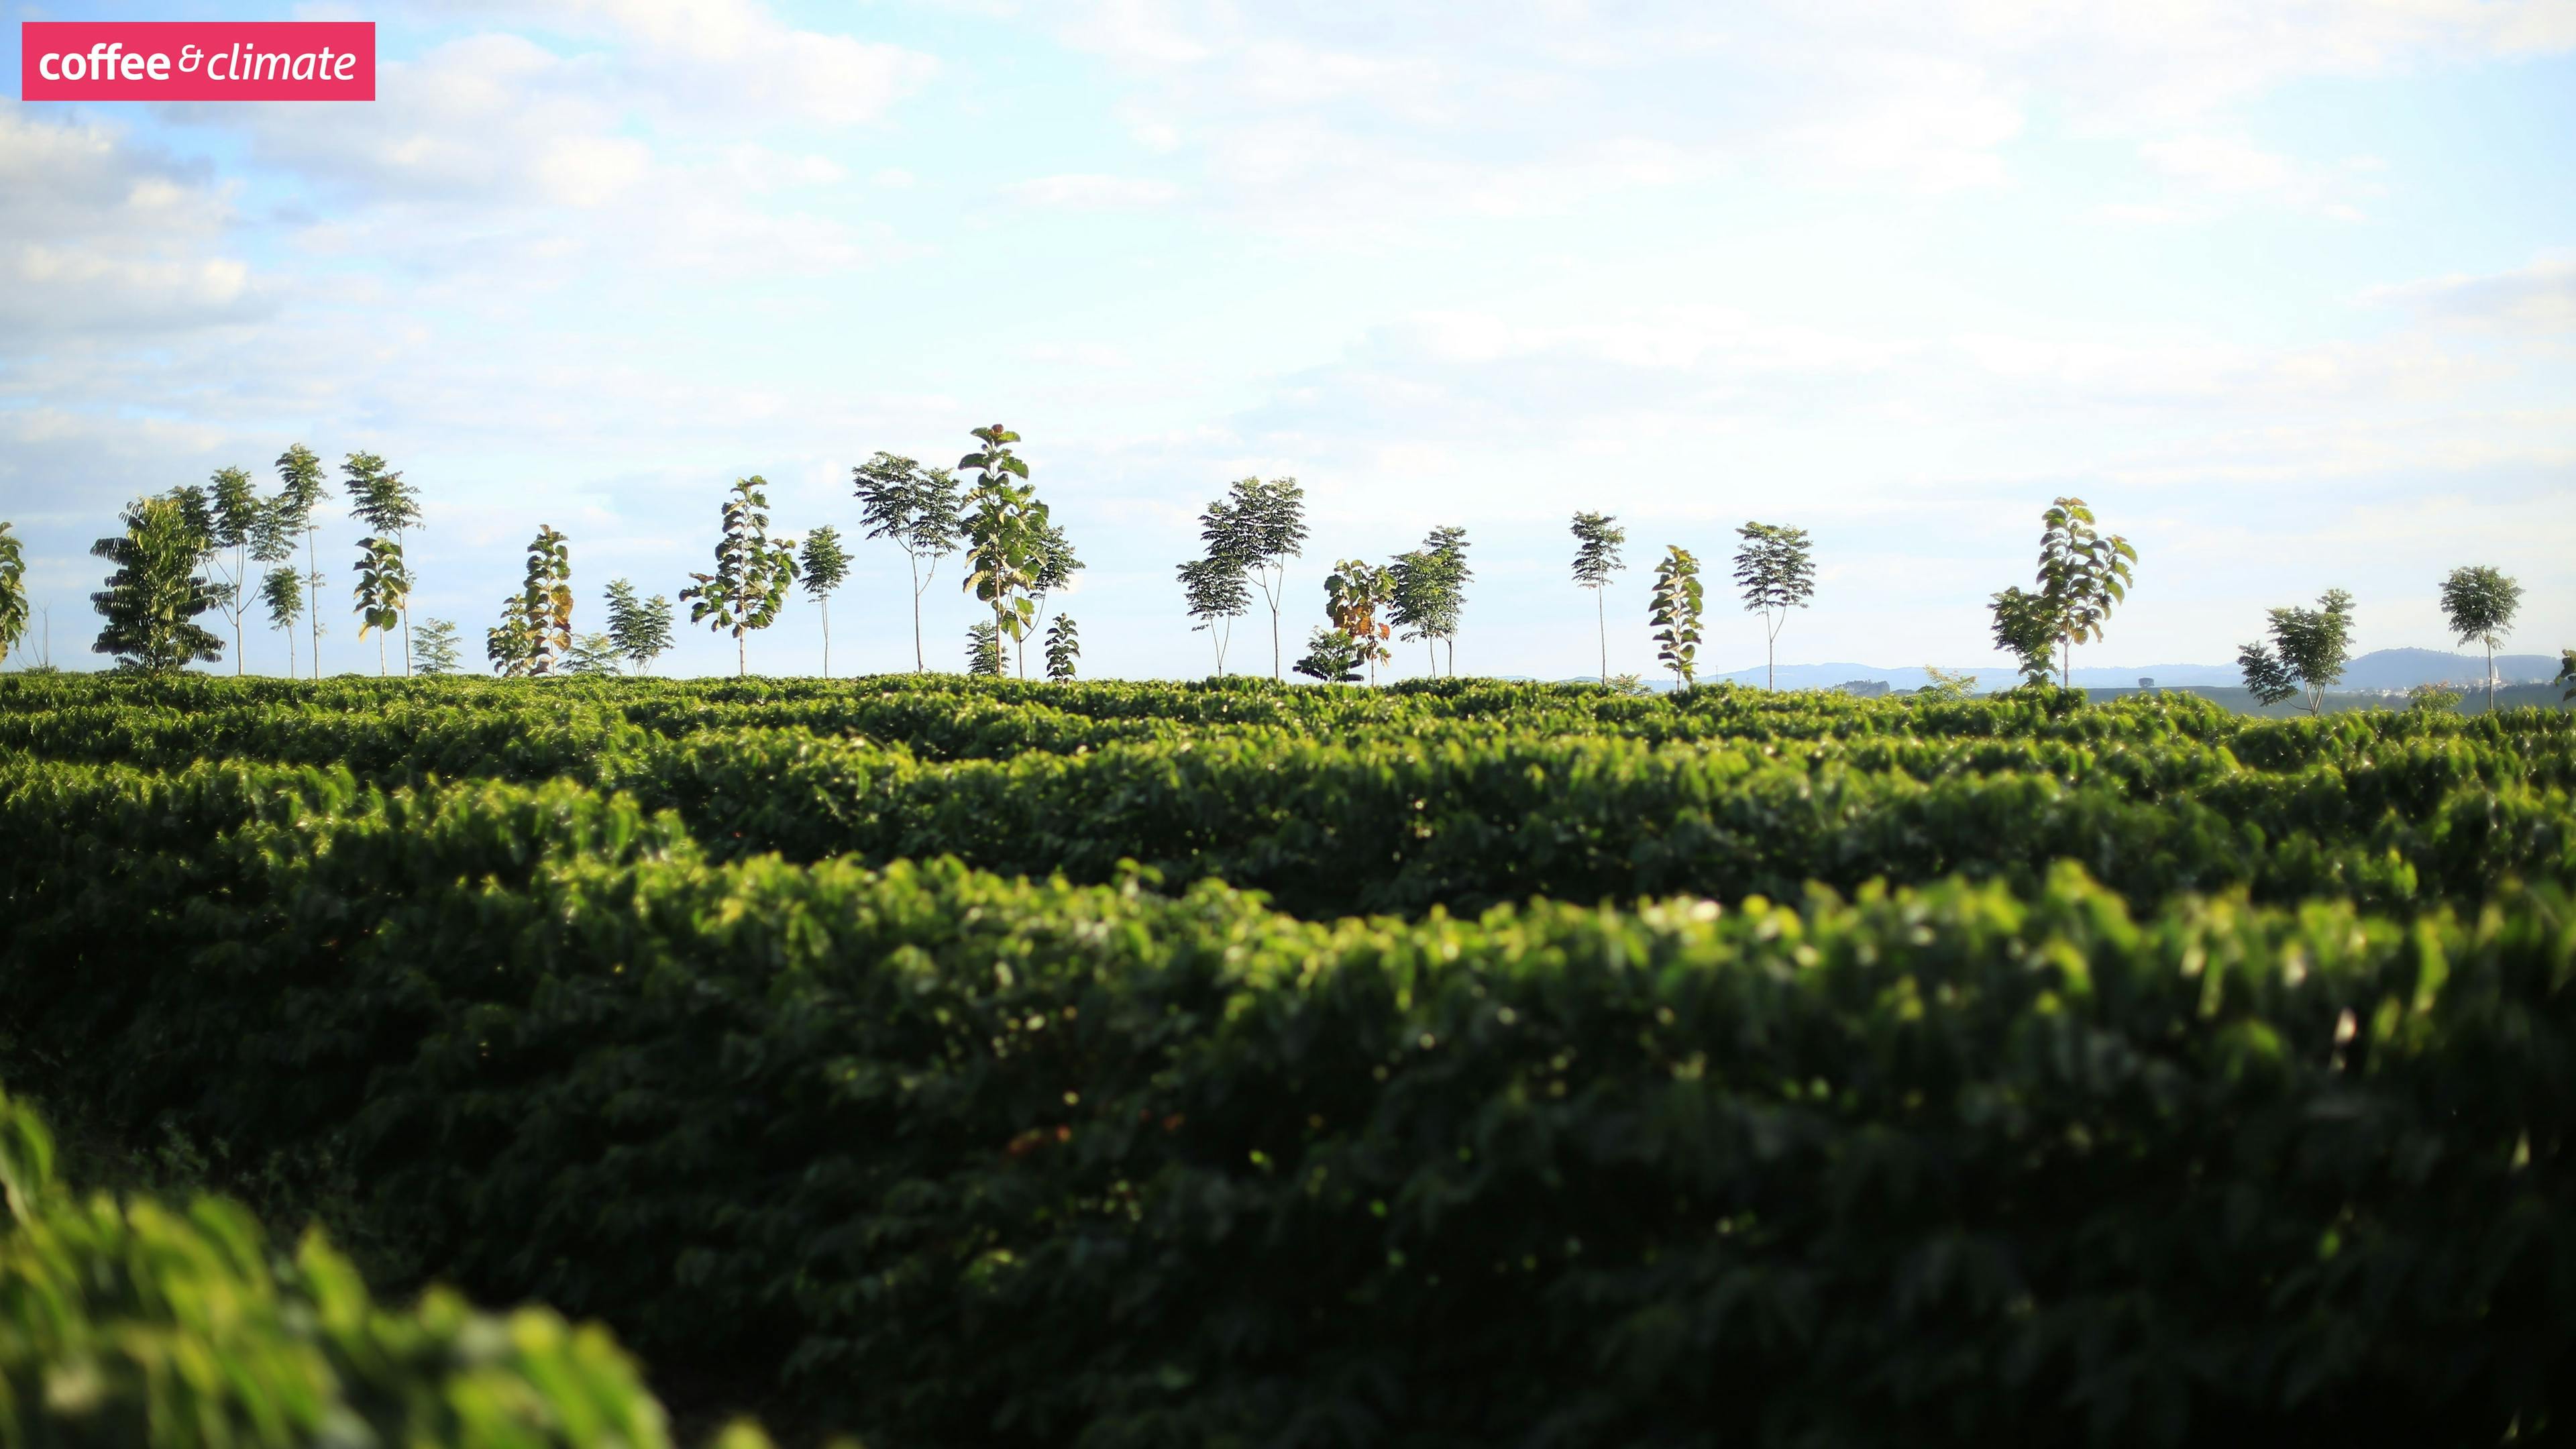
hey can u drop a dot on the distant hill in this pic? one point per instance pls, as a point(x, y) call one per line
point(2405, 668)
point(2379, 669)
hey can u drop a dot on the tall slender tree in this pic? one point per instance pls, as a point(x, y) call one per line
point(152, 601)
point(536, 623)
point(234, 515)
point(752, 573)
point(382, 595)
point(1216, 594)
point(13, 592)
point(282, 590)
point(825, 564)
point(2480, 603)
point(920, 510)
point(1353, 594)
point(1006, 534)
point(1777, 573)
point(380, 499)
point(1429, 592)
point(1675, 613)
point(301, 488)
point(272, 545)
point(1262, 526)
point(1598, 540)
point(1213, 587)
point(2083, 572)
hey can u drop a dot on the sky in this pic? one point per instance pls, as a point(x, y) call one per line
point(2286, 291)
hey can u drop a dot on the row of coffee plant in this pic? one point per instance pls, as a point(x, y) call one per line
point(951, 1158)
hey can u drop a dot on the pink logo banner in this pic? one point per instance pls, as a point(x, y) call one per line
point(187, 60)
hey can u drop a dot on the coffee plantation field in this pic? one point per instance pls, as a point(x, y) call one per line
point(953, 1062)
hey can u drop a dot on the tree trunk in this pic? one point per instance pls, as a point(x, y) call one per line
point(826, 606)
point(741, 657)
point(918, 667)
point(2491, 674)
point(1770, 657)
point(1601, 623)
point(406, 606)
point(313, 587)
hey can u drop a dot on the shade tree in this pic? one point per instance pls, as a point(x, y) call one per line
point(1428, 592)
point(2308, 651)
point(824, 564)
point(2083, 573)
point(1006, 535)
point(1674, 613)
point(273, 536)
point(1261, 525)
point(535, 631)
point(1354, 594)
point(1216, 594)
point(281, 589)
point(1331, 656)
point(383, 594)
point(13, 592)
point(302, 485)
point(234, 513)
point(1776, 572)
point(640, 627)
point(2480, 603)
point(1598, 541)
point(152, 601)
point(752, 572)
point(592, 655)
point(389, 506)
point(435, 650)
point(920, 511)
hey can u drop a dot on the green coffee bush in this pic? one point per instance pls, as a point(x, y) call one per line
point(966, 1160)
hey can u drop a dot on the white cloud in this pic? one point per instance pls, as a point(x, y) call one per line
point(1307, 108)
point(2208, 170)
point(98, 236)
point(2540, 298)
point(1091, 192)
